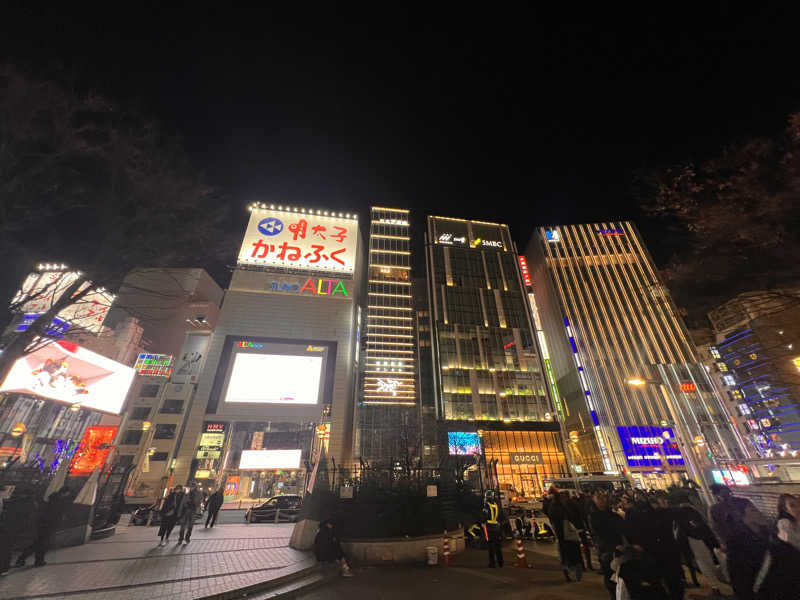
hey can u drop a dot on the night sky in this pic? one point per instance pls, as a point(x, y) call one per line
point(528, 118)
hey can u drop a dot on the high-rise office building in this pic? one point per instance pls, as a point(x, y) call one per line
point(491, 397)
point(388, 408)
point(636, 397)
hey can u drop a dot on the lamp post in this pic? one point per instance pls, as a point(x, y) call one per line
point(681, 436)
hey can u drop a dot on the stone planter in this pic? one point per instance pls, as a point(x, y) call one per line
point(303, 534)
point(403, 550)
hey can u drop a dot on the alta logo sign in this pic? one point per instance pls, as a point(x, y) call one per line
point(318, 287)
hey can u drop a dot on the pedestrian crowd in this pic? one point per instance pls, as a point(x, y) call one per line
point(643, 541)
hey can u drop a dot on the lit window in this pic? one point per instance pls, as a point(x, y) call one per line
point(714, 352)
point(722, 366)
point(729, 380)
point(744, 409)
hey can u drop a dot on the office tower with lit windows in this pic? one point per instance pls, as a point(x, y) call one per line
point(490, 394)
point(636, 398)
point(388, 408)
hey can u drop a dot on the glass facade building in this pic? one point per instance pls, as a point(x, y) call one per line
point(487, 366)
point(626, 369)
point(388, 409)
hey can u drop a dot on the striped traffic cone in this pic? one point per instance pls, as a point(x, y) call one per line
point(521, 560)
point(446, 550)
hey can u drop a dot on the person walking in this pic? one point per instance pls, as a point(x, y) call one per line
point(566, 522)
point(328, 548)
point(701, 540)
point(213, 505)
point(789, 519)
point(169, 514)
point(493, 518)
point(608, 535)
point(189, 506)
point(52, 510)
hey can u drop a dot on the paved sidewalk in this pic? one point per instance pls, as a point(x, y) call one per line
point(131, 566)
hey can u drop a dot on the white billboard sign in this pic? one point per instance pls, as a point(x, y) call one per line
point(69, 373)
point(308, 241)
point(40, 290)
point(274, 379)
point(270, 459)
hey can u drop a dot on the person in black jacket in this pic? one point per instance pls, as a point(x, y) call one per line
point(493, 519)
point(52, 511)
point(566, 522)
point(608, 534)
point(701, 541)
point(328, 549)
point(169, 513)
point(213, 505)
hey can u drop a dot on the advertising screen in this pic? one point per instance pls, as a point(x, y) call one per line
point(66, 372)
point(93, 451)
point(275, 379)
point(270, 459)
point(647, 446)
point(464, 442)
point(300, 240)
point(40, 290)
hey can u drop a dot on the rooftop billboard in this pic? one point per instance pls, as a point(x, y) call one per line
point(300, 239)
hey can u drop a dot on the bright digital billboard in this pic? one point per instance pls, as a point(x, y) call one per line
point(647, 446)
point(299, 239)
point(274, 379)
point(66, 372)
point(463, 442)
point(270, 459)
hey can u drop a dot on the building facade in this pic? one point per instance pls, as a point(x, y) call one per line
point(490, 393)
point(279, 380)
point(636, 398)
point(388, 404)
point(756, 360)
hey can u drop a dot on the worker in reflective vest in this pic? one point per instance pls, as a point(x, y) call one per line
point(493, 528)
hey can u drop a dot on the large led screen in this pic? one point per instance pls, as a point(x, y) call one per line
point(647, 446)
point(464, 442)
point(274, 379)
point(69, 373)
point(270, 459)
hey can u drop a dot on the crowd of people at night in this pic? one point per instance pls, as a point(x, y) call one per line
point(646, 541)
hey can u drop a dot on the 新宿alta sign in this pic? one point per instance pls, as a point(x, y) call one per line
point(316, 287)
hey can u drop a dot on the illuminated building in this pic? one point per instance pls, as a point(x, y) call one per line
point(388, 409)
point(624, 364)
point(756, 360)
point(280, 369)
point(488, 376)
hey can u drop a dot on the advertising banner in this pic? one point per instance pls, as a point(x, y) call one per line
point(270, 459)
point(300, 240)
point(190, 361)
point(463, 442)
point(647, 446)
point(93, 450)
point(66, 372)
point(40, 290)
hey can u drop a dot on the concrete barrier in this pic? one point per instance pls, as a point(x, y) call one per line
point(400, 550)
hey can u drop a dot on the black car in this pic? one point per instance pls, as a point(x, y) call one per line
point(287, 508)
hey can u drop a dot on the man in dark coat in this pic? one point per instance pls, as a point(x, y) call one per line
point(52, 511)
point(328, 549)
point(213, 505)
point(608, 534)
point(189, 506)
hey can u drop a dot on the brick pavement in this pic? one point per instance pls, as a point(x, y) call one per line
point(130, 565)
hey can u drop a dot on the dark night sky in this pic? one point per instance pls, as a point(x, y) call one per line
point(526, 117)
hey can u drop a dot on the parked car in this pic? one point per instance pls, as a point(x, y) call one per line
point(286, 507)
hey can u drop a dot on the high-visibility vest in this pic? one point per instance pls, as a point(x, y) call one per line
point(494, 510)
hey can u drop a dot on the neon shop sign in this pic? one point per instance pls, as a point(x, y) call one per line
point(316, 287)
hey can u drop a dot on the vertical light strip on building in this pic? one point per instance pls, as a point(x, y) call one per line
point(389, 354)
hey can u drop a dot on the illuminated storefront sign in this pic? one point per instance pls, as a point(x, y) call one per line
point(66, 372)
point(318, 287)
point(525, 458)
point(688, 387)
point(155, 365)
point(449, 239)
point(249, 345)
point(552, 235)
point(299, 239)
point(93, 450)
point(647, 446)
point(388, 385)
point(526, 276)
point(487, 243)
point(610, 232)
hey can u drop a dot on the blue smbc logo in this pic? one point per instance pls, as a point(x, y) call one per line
point(270, 226)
